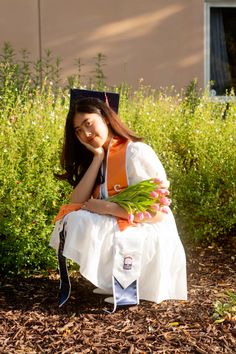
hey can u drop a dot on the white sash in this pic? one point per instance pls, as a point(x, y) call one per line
point(127, 259)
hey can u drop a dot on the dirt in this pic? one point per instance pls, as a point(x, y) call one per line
point(31, 321)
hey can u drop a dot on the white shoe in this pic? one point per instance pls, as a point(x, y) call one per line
point(102, 291)
point(110, 300)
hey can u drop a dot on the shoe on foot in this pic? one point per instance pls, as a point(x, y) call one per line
point(102, 291)
point(109, 300)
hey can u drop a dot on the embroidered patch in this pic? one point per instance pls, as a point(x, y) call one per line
point(117, 187)
point(127, 265)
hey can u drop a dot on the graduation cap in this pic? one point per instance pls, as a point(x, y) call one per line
point(111, 98)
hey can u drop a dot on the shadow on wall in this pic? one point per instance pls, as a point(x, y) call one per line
point(160, 41)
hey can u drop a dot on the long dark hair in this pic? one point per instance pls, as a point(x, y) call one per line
point(75, 158)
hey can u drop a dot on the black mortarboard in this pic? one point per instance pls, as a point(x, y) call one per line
point(111, 98)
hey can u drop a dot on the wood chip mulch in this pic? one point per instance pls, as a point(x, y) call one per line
point(31, 321)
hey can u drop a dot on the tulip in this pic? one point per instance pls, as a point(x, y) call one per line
point(154, 194)
point(130, 218)
point(162, 191)
point(166, 192)
point(147, 215)
point(156, 207)
point(165, 201)
point(165, 209)
point(157, 180)
point(140, 215)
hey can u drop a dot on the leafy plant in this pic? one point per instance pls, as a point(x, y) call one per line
point(225, 309)
point(194, 140)
point(99, 76)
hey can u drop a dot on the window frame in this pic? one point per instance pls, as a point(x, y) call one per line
point(208, 4)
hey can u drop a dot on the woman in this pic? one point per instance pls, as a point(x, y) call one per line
point(101, 157)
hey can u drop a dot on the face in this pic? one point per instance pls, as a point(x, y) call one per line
point(92, 129)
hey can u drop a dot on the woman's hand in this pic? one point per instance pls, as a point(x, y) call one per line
point(97, 206)
point(96, 151)
point(84, 188)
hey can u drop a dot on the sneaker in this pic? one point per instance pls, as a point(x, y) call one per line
point(110, 300)
point(102, 291)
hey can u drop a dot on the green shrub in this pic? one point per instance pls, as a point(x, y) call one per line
point(207, 208)
point(198, 150)
point(29, 194)
point(193, 136)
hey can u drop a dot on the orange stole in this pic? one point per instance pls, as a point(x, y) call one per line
point(116, 179)
point(116, 173)
point(116, 167)
point(66, 209)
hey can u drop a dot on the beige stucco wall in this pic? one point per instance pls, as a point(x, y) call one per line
point(160, 41)
point(19, 25)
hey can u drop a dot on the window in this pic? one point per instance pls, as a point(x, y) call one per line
point(220, 48)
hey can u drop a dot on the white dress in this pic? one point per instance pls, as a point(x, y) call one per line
point(95, 242)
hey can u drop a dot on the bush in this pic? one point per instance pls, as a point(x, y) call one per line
point(197, 148)
point(29, 195)
point(206, 146)
point(193, 136)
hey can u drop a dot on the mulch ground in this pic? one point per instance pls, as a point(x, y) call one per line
point(31, 321)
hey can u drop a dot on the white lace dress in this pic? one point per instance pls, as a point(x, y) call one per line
point(96, 244)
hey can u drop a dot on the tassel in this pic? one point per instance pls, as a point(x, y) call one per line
point(106, 100)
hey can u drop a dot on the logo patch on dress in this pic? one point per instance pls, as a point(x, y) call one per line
point(117, 187)
point(128, 262)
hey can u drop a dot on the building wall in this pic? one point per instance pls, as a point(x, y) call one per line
point(19, 25)
point(160, 41)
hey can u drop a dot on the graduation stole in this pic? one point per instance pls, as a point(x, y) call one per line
point(116, 179)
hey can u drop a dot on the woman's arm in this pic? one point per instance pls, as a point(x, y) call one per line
point(83, 190)
point(105, 207)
